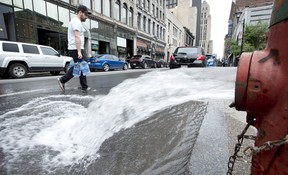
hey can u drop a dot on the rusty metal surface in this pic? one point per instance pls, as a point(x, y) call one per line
point(241, 81)
point(279, 12)
point(266, 96)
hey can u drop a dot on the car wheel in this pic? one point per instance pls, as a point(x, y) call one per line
point(106, 67)
point(145, 66)
point(18, 70)
point(66, 68)
point(55, 72)
point(125, 67)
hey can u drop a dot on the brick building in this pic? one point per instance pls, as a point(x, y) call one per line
point(241, 4)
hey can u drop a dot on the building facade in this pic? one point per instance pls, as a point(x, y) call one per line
point(188, 12)
point(151, 29)
point(205, 29)
point(241, 4)
point(113, 27)
point(176, 34)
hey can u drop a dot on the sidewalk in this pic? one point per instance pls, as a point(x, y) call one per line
point(217, 139)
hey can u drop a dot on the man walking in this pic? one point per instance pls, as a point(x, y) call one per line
point(76, 46)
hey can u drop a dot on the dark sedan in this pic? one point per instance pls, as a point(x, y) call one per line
point(142, 61)
point(188, 57)
point(161, 63)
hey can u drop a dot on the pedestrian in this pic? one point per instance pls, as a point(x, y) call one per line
point(76, 46)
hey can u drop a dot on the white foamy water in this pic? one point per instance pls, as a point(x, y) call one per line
point(74, 132)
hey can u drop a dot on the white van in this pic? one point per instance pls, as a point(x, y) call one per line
point(17, 59)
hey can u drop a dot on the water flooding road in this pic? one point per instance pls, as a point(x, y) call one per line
point(144, 125)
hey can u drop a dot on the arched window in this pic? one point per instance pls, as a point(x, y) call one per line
point(107, 8)
point(130, 17)
point(124, 13)
point(117, 10)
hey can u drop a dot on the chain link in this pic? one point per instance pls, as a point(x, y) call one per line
point(250, 150)
point(237, 148)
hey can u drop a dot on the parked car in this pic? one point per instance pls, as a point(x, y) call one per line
point(211, 60)
point(17, 59)
point(161, 63)
point(193, 56)
point(143, 61)
point(106, 62)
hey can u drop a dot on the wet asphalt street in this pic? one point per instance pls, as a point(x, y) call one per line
point(141, 149)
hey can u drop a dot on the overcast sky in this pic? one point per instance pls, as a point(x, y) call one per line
point(219, 10)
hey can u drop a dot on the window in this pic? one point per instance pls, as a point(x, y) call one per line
point(18, 3)
point(153, 28)
point(153, 9)
point(124, 14)
point(49, 51)
point(117, 10)
point(98, 6)
point(87, 3)
point(30, 49)
point(139, 21)
point(130, 17)
point(149, 26)
point(9, 47)
point(107, 8)
point(148, 5)
point(115, 58)
point(144, 23)
point(157, 15)
point(143, 4)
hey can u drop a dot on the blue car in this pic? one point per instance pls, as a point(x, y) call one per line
point(106, 62)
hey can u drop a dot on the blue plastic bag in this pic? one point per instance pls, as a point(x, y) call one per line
point(76, 69)
point(85, 68)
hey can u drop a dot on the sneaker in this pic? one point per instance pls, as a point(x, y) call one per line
point(87, 89)
point(62, 85)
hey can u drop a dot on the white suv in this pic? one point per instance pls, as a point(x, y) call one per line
point(17, 59)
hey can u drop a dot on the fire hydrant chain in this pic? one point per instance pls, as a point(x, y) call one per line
point(237, 148)
point(250, 150)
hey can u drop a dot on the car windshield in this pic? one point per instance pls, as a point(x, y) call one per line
point(98, 56)
point(208, 56)
point(188, 50)
point(136, 57)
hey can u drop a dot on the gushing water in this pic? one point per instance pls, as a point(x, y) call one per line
point(69, 129)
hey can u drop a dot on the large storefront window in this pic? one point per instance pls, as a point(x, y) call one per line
point(52, 12)
point(107, 8)
point(6, 2)
point(87, 3)
point(18, 3)
point(40, 7)
point(28, 4)
point(63, 19)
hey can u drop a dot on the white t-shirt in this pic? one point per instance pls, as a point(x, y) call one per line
point(75, 24)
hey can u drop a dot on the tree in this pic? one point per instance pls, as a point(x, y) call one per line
point(254, 39)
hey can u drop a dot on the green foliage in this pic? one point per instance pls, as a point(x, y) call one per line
point(254, 39)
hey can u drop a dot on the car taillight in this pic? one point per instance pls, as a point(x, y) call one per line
point(201, 57)
point(172, 58)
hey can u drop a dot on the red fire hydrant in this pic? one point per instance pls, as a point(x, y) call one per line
point(262, 91)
